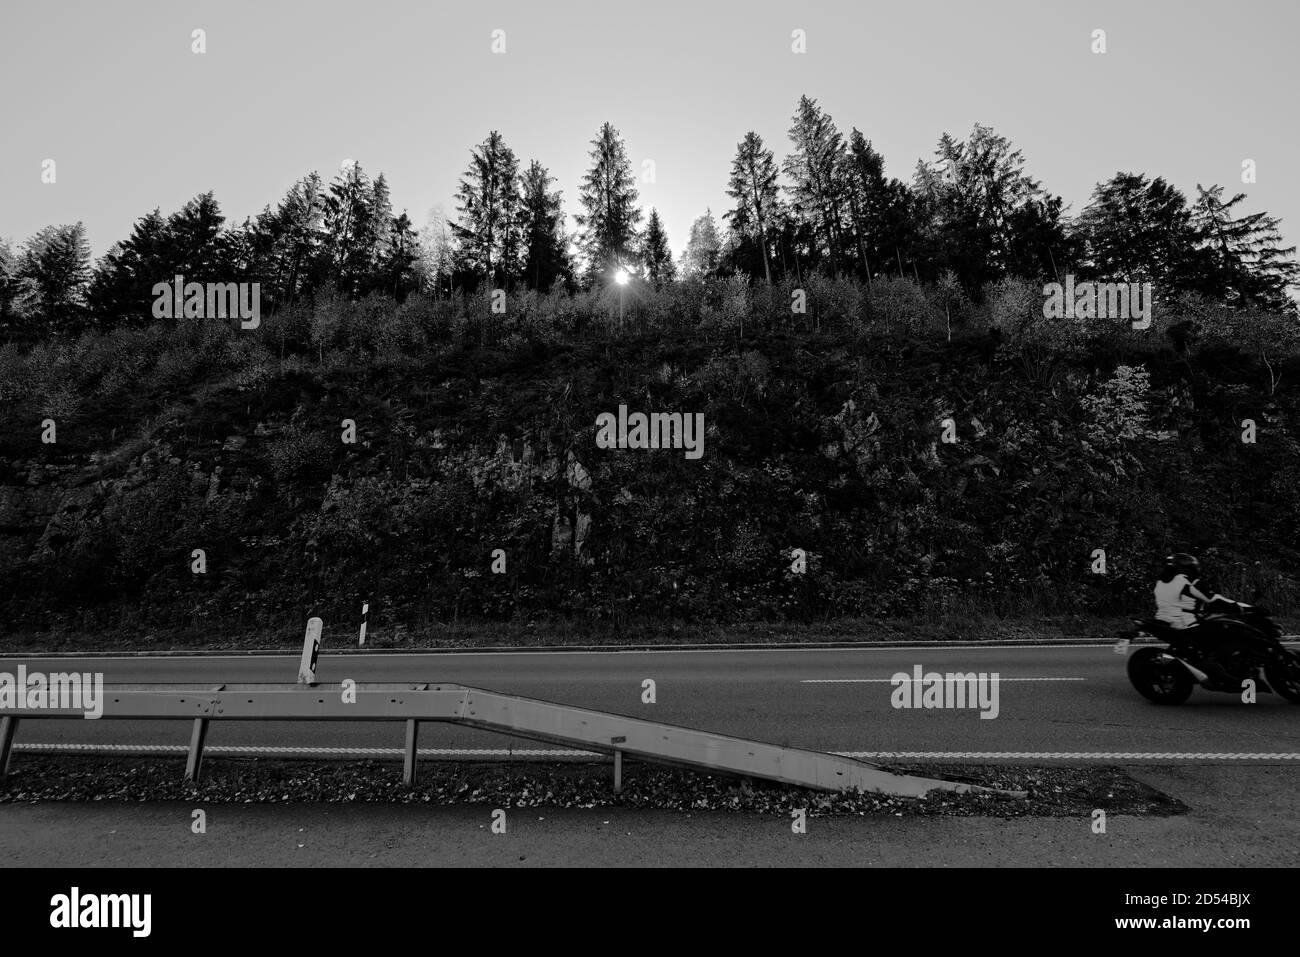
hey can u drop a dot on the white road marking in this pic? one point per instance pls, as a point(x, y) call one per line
point(1077, 755)
point(862, 681)
point(270, 654)
point(537, 753)
point(783, 646)
point(293, 749)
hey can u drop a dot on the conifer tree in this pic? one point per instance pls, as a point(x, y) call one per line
point(350, 230)
point(488, 223)
point(610, 215)
point(1138, 229)
point(655, 252)
point(1249, 265)
point(53, 273)
point(753, 185)
point(545, 245)
point(816, 190)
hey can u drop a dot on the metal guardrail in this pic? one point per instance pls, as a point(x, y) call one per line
point(597, 731)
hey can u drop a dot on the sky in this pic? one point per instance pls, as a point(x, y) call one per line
point(1187, 89)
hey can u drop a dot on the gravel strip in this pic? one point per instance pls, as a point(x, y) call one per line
point(1051, 791)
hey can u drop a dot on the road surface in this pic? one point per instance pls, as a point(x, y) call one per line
point(1055, 703)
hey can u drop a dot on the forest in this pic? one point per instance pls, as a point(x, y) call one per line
point(894, 425)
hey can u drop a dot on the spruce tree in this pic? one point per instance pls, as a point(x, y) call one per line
point(969, 196)
point(610, 215)
point(487, 204)
point(1249, 264)
point(8, 282)
point(380, 229)
point(754, 188)
point(816, 191)
point(121, 285)
point(298, 231)
point(545, 245)
point(53, 274)
point(655, 252)
point(1138, 229)
point(349, 225)
point(395, 270)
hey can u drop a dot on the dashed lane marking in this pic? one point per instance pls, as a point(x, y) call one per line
point(864, 681)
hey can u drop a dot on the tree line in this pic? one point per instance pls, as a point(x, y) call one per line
point(969, 217)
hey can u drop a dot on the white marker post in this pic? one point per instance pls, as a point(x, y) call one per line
point(365, 611)
point(310, 649)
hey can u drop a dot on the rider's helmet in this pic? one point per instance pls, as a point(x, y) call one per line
point(1182, 563)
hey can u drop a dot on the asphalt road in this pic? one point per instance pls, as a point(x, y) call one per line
point(1055, 703)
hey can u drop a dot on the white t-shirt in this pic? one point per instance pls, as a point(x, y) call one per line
point(1175, 602)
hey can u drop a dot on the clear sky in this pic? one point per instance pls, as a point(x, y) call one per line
point(111, 91)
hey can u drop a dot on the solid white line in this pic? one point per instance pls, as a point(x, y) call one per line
point(291, 749)
point(900, 646)
point(542, 654)
point(523, 752)
point(1076, 755)
point(860, 681)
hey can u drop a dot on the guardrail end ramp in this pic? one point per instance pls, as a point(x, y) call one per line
point(671, 744)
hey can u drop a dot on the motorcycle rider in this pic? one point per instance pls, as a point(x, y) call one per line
point(1177, 597)
point(1180, 603)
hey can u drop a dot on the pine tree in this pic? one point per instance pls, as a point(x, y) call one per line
point(863, 174)
point(488, 226)
point(1249, 264)
point(655, 252)
point(197, 249)
point(753, 187)
point(380, 210)
point(970, 196)
point(53, 275)
point(881, 211)
point(816, 191)
point(608, 194)
point(1040, 241)
point(121, 286)
point(1135, 229)
point(191, 242)
point(545, 245)
point(8, 283)
point(298, 232)
point(395, 270)
point(351, 243)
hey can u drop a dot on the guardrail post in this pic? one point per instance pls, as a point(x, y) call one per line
point(8, 725)
point(194, 762)
point(618, 772)
point(408, 762)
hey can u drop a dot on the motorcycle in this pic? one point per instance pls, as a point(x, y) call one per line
point(1233, 642)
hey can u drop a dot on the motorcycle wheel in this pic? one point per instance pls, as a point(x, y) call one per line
point(1158, 677)
point(1284, 676)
